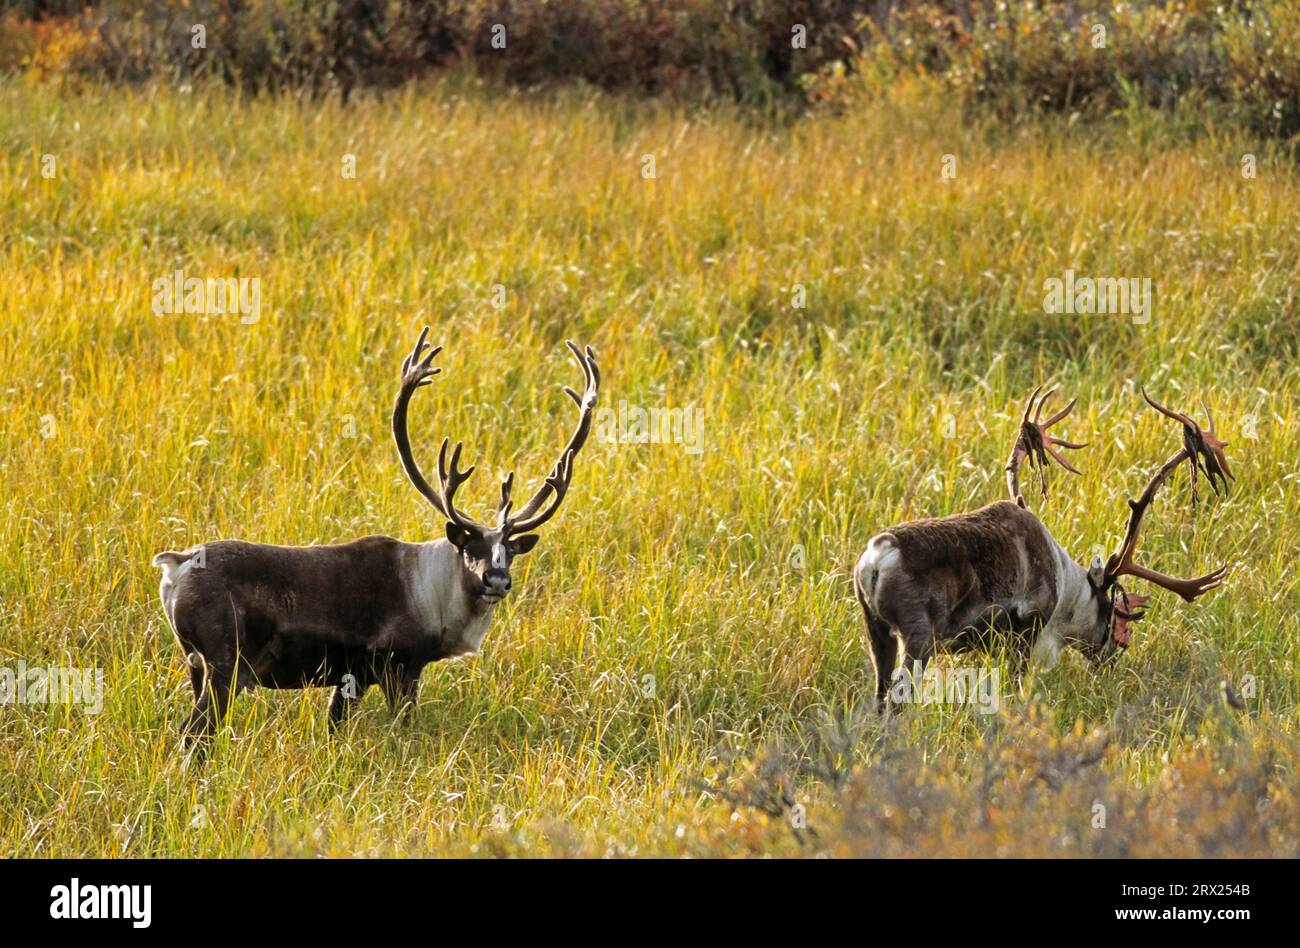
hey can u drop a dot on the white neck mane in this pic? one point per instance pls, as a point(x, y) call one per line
point(438, 595)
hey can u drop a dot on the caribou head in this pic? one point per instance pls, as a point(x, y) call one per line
point(1115, 608)
point(487, 551)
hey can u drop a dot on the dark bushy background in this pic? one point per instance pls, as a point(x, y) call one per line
point(1241, 57)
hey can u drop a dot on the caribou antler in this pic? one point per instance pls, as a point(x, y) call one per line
point(451, 481)
point(557, 482)
point(415, 374)
point(1033, 442)
point(1203, 449)
point(418, 371)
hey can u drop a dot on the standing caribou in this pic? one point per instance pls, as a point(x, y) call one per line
point(949, 583)
point(373, 611)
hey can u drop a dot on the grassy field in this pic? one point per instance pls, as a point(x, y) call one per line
point(891, 393)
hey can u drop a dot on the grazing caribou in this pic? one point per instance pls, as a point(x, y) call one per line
point(955, 582)
point(373, 611)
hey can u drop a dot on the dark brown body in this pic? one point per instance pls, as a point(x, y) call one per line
point(957, 582)
point(965, 580)
point(344, 616)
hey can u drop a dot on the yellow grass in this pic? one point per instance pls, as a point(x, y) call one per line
point(723, 574)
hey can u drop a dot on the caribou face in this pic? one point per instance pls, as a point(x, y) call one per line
point(1113, 610)
point(1106, 632)
point(487, 556)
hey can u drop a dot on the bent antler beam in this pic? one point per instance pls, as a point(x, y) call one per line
point(1205, 452)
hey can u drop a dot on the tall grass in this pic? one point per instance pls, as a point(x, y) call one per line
point(721, 574)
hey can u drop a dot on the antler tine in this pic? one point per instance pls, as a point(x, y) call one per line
point(1203, 446)
point(557, 481)
point(1029, 405)
point(1042, 403)
point(415, 353)
point(1168, 412)
point(451, 480)
point(1208, 417)
point(1060, 414)
point(590, 373)
point(503, 510)
point(1188, 589)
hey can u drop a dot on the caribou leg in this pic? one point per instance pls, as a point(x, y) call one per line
point(884, 655)
point(342, 703)
point(213, 703)
point(400, 688)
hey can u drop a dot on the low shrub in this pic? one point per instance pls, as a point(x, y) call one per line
point(1019, 56)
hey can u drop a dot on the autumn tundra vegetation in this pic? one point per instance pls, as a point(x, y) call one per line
point(835, 238)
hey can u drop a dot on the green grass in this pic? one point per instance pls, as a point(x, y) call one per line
point(822, 425)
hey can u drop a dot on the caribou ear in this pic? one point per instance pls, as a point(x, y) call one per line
point(524, 543)
point(1096, 572)
point(458, 535)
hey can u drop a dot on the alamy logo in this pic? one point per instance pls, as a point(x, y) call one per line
point(974, 686)
point(103, 901)
point(1088, 296)
point(209, 296)
point(52, 685)
point(633, 424)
